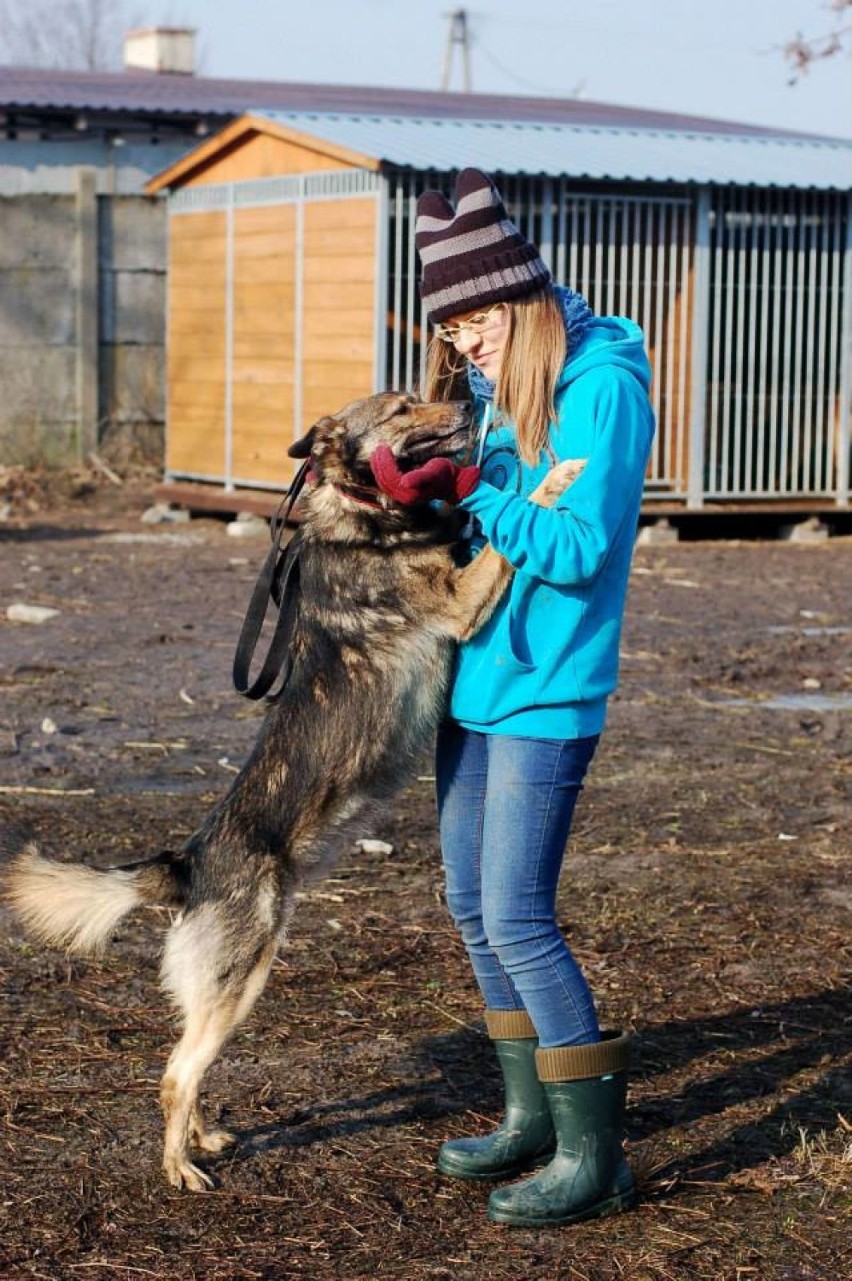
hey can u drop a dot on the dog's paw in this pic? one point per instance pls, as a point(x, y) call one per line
point(181, 1173)
point(557, 481)
point(214, 1140)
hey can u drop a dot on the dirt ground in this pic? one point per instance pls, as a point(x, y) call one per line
point(706, 892)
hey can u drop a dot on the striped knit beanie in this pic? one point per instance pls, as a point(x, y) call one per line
point(472, 256)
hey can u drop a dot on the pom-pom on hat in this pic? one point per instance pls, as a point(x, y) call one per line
point(473, 255)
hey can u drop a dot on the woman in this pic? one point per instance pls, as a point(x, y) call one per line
point(549, 381)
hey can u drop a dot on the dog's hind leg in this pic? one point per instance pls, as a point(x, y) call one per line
point(215, 990)
point(202, 1138)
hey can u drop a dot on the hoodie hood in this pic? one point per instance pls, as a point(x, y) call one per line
point(613, 342)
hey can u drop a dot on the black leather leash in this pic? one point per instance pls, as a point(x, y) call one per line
point(278, 581)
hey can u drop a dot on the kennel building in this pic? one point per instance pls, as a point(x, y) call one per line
point(292, 289)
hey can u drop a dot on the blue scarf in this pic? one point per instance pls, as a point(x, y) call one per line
point(577, 316)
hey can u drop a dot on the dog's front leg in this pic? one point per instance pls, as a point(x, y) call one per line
point(476, 589)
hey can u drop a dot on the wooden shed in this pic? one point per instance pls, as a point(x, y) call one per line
point(292, 288)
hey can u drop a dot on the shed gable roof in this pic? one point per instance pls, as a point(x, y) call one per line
point(542, 149)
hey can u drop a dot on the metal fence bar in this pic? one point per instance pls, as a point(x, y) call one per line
point(685, 280)
point(699, 363)
point(299, 323)
point(670, 341)
point(793, 481)
point(844, 426)
point(775, 363)
point(787, 344)
point(751, 460)
point(763, 305)
point(561, 221)
point(835, 368)
point(380, 296)
point(229, 342)
point(809, 404)
point(396, 365)
point(410, 293)
point(822, 445)
point(737, 342)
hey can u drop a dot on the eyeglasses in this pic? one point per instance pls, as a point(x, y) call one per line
point(475, 325)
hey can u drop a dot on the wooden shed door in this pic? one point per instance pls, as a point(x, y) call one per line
point(272, 320)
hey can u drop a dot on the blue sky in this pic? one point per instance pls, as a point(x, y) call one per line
point(718, 59)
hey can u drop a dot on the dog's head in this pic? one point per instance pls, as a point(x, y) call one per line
point(340, 446)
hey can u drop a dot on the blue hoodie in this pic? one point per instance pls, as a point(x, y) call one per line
point(547, 660)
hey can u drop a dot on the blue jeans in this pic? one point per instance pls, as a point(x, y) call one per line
point(505, 807)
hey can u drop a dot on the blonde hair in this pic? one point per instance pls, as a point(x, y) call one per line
point(525, 392)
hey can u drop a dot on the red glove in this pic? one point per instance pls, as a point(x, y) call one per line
point(439, 478)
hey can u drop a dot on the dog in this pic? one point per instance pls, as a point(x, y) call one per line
point(383, 603)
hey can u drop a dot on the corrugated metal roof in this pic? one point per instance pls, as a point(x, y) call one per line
point(175, 95)
point(583, 151)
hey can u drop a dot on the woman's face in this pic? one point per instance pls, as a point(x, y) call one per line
point(481, 336)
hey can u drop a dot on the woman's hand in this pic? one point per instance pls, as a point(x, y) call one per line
point(440, 478)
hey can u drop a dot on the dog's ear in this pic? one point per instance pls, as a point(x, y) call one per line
point(304, 448)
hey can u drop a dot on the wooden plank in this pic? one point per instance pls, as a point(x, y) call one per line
point(202, 452)
point(319, 327)
point(266, 426)
point(353, 346)
point(255, 395)
point(268, 270)
point(261, 156)
point(331, 271)
point(264, 221)
point(187, 326)
point(187, 349)
point(196, 395)
point(196, 496)
point(347, 295)
point(201, 249)
point(335, 242)
point(199, 298)
point(203, 163)
point(255, 372)
point(185, 227)
point(249, 297)
point(276, 347)
point(331, 215)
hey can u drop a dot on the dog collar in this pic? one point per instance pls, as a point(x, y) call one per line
point(366, 495)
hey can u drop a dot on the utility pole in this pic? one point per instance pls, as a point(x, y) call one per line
point(458, 35)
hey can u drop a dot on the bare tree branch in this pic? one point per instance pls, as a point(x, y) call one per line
point(803, 51)
point(76, 34)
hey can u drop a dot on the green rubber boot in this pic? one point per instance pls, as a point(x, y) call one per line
point(526, 1133)
point(586, 1087)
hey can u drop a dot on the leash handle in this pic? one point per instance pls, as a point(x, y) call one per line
point(279, 575)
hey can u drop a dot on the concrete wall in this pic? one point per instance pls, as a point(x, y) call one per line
point(82, 324)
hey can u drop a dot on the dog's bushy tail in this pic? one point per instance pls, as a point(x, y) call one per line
point(77, 907)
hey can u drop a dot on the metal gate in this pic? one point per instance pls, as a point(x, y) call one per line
point(629, 255)
point(740, 293)
point(776, 409)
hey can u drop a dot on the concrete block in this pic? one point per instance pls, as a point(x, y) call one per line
point(134, 233)
point(38, 307)
point(133, 383)
point(659, 534)
point(36, 231)
point(133, 307)
point(38, 384)
point(806, 531)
